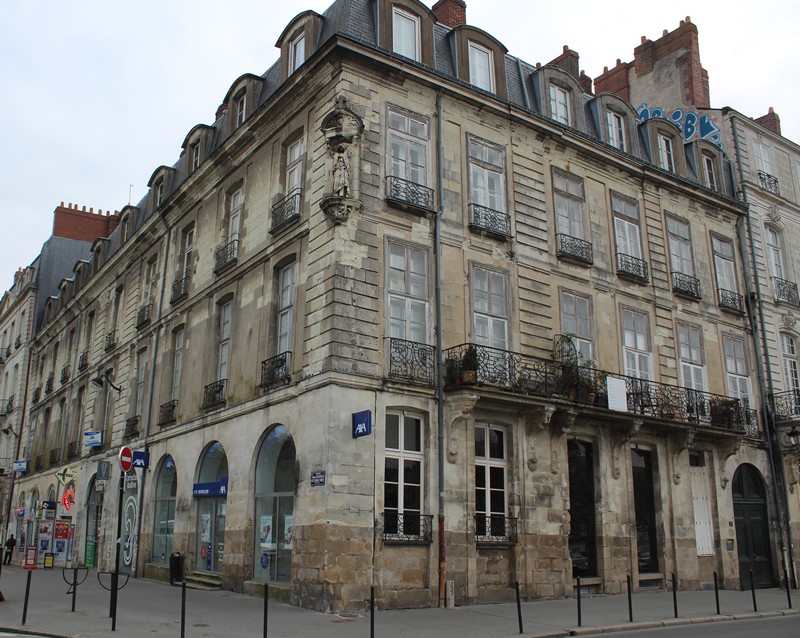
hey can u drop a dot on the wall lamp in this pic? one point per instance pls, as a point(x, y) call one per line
point(100, 379)
point(9, 430)
point(793, 436)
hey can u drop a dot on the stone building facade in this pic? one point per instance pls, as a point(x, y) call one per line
point(411, 311)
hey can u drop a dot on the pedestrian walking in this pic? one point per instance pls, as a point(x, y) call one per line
point(11, 543)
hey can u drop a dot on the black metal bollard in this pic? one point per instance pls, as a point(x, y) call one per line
point(27, 595)
point(716, 592)
point(266, 608)
point(74, 586)
point(788, 588)
point(753, 591)
point(579, 602)
point(630, 599)
point(675, 594)
point(519, 606)
point(372, 612)
point(183, 609)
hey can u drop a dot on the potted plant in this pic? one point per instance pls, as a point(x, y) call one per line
point(469, 365)
point(723, 412)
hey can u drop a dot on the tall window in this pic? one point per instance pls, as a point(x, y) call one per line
point(491, 491)
point(763, 159)
point(736, 368)
point(582, 508)
point(164, 513)
point(666, 154)
point(690, 346)
point(159, 192)
point(241, 105)
point(680, 246)
point(195, 149)
point(616, 130)
point(701, 502)
point(408, 293)
point(487, 175)
point(294, 166)
point(559, 104)
point(235, 206)
point(187, 248)
point(709, 171)
point(297, 52)
point(408, 147)
point(223, 349)
point(490, 308)
point(403, 486)
point(568, 196)
point(141, 375)
point(774, 252)
point(789, 356)
point(481, 73)
point(636, 344)
point(177, 363)
point(285, 307)
point(406, 36)
point(723, 264)
point(150, 280)
point(626, 226)
point(576, 313)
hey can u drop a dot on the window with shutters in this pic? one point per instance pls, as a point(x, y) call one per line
point(701, 500)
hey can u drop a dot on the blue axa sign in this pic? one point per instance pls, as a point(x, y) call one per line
point(216, 488)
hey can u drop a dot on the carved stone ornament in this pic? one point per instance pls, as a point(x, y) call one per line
point(789, 321)
point(341, 125)
point(726, 451)
point(561, 424)
point(338, 209)
point(538, 418)
point(680, 445)
point(774, 214)
point(618, 445)
point(459, 409)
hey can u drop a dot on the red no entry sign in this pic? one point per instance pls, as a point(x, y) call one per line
point(125, 458)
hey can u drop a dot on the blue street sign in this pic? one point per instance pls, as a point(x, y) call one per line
point(362, 423)
point(217, 488)
point(92, 439)
point(21, 465)
point(141, 459)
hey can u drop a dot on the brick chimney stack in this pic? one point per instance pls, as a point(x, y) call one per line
point(451, 13)
point(770, 121)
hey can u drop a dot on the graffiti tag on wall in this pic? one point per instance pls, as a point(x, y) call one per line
point(691, 124)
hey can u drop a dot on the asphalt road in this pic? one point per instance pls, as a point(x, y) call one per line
point(784, 627)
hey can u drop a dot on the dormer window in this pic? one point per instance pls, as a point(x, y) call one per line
point(195, 150)
point(405, 34)
point(481, 67)
point(297, 52)
point(126, 230)
point(241, 104)
point(559, 104)
point(159, 193)
point(616, 130)
point(709, 171)
point(666, 153)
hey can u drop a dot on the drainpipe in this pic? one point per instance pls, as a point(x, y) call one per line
point(437, 259)
point(759, 336)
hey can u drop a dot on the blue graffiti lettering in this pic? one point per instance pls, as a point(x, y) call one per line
point(691, 124)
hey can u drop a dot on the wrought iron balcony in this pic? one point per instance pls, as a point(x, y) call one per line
point(286, 210)
point(55, 457)
point(65, 373)
point(786, 406)
point(492, 222)
point(37, 394)
point(3, 355)
point(10, 404)
point(18, 342)
point(144, 315)
point(38, 463)
point(632, 268)
point(493, 528)
point(573, 249)
point(214, 394)
point(73, 449)
point(83, 361)
point(409, 196)
point(180, 289)
point(731, 301)
point(226, 255)
point(276, 368)
point(168, 412)
point(48, 385)
point(769, 182)
point(685, 285)
point(3, 404)
point(411, 361)
point(786, 291)
point(132, 427)
point(407, 527)
point(111, 340)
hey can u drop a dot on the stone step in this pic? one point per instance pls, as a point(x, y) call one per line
point(203, 581)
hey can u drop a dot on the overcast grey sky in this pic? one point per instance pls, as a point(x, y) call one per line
point(96, 94)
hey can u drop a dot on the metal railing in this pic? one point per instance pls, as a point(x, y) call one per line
point(48, 385)
point(286, 210)
point(168, 412)
point(73, 449)
point(686, 285)
point(276, 368)
point(180, 288)
point(494, 221)
point(769, 182)
point(786, 291)
point(83, 360)
point(111, 340)
point(574, 249)
point(132, 427)
point(55, 457)
point(65, 373)
point(786, 405)
point(144, 315)
point(411, 361)
point(10, 404)
point(407, 527)
point(633, 268)
point(729, 300)
point(214, 394)
point(493, 528)
point(226, 255)
point(409, 193)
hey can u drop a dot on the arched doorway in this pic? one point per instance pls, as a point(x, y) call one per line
point(211, 492)
point(94, 523)
point(275, 485)
point(752, 528)
point(166, 490)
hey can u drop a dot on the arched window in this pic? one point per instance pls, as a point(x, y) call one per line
point(275, 485)
point(166, 489)
point(212, 493)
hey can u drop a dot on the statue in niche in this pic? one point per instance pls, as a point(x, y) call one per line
point(341, 172)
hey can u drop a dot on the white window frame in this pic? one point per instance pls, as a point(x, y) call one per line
point(773, 241)
point(405, 24)
point(692, 357)
point(763, 157)
point(297, 52)
point(736, 368)
point(177, 362)
point(224, 342)
point(141, 377)
point(484, 464)
point(241, 106)
point(294, 166)
point(187, 249)
point(709, 171)
point(666, 152)
point(626, 226)
point(636, 344)
point(490, 308)
point(576, 320)
point(285, 309)
point(791, 371)
point(724, 265)
point(568, 199)
point(486, 174)
point(195, 156)
point(679, 237)
point(150, 279)
point(616, 130)
point(408, 146)
point(405, 455)
point(481, 67)
point(236, 205)
point(408, 293)
point(560, 104)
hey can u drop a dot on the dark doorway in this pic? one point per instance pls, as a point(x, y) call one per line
point(644, 499)
point(582, 509)
point(752, 528)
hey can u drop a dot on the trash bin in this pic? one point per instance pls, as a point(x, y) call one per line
point(175, 568)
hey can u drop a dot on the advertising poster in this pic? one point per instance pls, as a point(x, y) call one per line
point(265, 533)
point(205, 527)
point(61, 536)
point(288, 532)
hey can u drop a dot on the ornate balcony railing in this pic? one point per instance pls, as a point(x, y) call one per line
point(685, 285)
point(276, 368)
point(110, 340)
point(493, 528)
point(73, 449)
point(574, 249)
point(66, 369)
point(411, 361)
point(769, 182)
point(494, 222)
point(10, 405)
point(18, 342)
point(144, 315)
point(3, 355)
point(786, 291)
point(180, 288)
point(55, 457)
point(729, 300)
point(48, 385)
point(286, 210)
point(168, 412)
point(632, 268)
point(786, 406)
point(214, 394)
point(408, 194)
point(407, 527)
point(37, 394)
point(226, 255)
point(132, 427)
point(83, 361)
point(38, 462)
